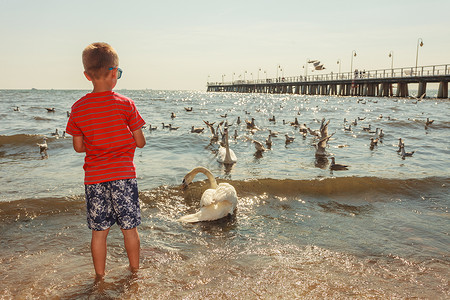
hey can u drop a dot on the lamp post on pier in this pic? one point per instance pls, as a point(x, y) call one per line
point(391, 55)
point(258, 73)
point(245, 72)
point(339, 63)
point(351, 64)
point(278, 67)
point(223, 78)
point(306, 68)
point(417, 51)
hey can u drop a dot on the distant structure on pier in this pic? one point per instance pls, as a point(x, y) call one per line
point(379, 83)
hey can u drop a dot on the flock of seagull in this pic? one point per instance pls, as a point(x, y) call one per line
point(220, 135)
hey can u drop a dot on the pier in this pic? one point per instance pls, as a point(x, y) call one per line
point(377, 83)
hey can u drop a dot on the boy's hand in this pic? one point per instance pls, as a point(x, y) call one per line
point(78, 144)
point(139, 138)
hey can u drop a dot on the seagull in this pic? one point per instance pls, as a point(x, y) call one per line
point(259, 146)
point(295, 123)
point(321, 146)
point(373, 143)
point(303, 128)
point(173, 115)
point(208, 123)
point(50, 109)
point(400, 144)
point(173, 128)
point(421, 97)
point(337, 167)
point(319, 67)
point(56, 133)
point(188, 108)
point(379, 133)
point(238, 120)
point(211, 128)
point(429, 122)
point(269, 141)
point(165, 126)
point(223, 116)
point(235, 134)
point(348, 128)
point(152, 128)
point(405, 154)
point(272, 119)
point(324, 128)
point(289, 139)
point(16, 108)
point(197, 130)
point(366, 128)
point(251, 125)
point(273, 133)
point(314, 132)
point(43, 148)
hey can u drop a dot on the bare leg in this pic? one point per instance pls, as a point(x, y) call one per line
point(98, 250)
point(132, 245)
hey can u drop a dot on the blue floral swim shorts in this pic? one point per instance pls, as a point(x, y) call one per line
point(111, 202)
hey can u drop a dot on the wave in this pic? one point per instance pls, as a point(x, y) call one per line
point(367, 188)
point(343, 185)
point(418, 123)
point(22, 139)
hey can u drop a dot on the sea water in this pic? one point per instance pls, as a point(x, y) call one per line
point(377, 230)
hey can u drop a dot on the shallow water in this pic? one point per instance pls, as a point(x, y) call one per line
point(378, 230)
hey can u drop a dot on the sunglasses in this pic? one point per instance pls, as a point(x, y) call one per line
point(119, 71)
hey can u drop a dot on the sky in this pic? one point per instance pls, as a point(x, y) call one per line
point(181, 45)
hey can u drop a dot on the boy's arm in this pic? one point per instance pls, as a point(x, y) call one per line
point(78, 144)
point(139, 138)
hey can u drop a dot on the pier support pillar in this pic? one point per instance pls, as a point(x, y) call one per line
point(443, 90)
point(304, 89)
point(333, 89)
point(386, 90)
point(422, 89)
point(402, 89)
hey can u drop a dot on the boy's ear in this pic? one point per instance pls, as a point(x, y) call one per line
point(87, 76)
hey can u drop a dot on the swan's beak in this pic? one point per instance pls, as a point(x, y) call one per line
point(184, 185)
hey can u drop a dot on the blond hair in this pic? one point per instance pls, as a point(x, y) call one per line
point(98, 58)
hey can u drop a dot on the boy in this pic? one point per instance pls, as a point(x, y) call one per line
point(108, 127)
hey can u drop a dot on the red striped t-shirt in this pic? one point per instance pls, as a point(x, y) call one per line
point(106, 121)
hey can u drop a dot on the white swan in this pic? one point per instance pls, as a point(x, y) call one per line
point(226, 155)
point(217, 202)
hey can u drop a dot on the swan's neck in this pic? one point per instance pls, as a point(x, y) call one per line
point(208, 174)
point(227, 149)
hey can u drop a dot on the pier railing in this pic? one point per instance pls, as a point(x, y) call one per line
point(408, 72)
